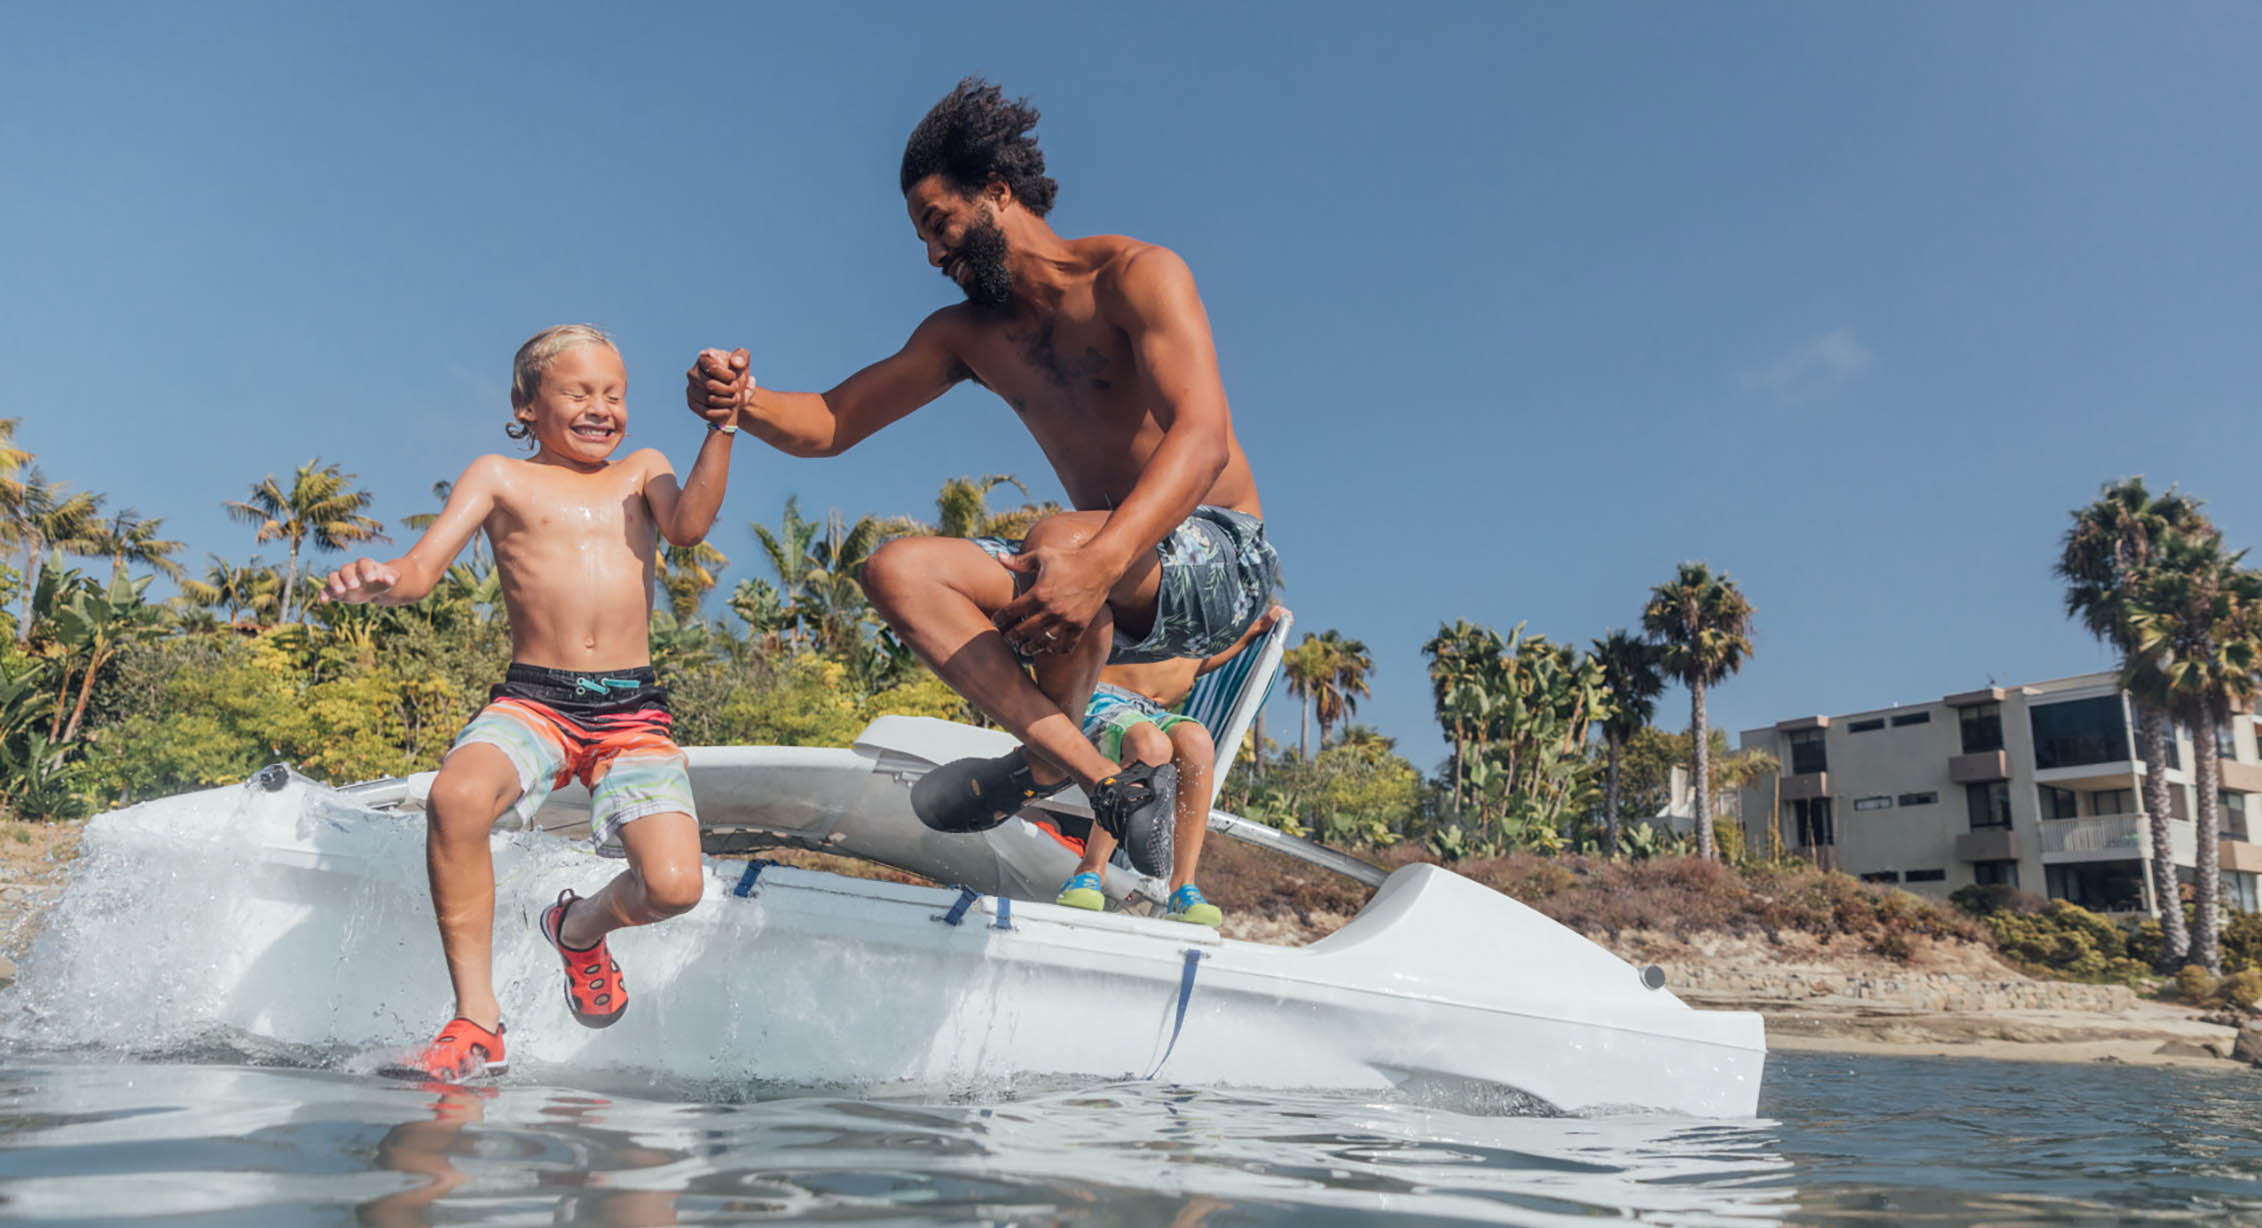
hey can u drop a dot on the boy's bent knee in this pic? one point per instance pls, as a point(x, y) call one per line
point(466, 805)
point(1146, 744)
point(1190, 740)
point(672, 891)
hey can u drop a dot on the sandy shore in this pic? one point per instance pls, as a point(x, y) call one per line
point(2152, 1034)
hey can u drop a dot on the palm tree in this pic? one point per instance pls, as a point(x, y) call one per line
point(789, 552)
point(962, 509)
point(1330, 672)
point(686, 574)
point(45, 518)
point(2103, 560)
point(1702, 627)
point(236, 587)
point(1630, 677)
point(320, 505)
point(833, 587)
point(127, 538)
point(1306, 667)
point(2197, 616)
point(1346, 686)
point(1366, 738)
point(417, 522)
point(12, 458)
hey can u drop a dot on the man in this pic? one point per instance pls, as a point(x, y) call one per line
point(1102, 347)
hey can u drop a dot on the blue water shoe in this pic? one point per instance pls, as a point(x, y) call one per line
point(1187, 904)
point(1083, 891)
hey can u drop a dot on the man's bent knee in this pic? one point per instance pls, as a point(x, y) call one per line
point(1066, 530)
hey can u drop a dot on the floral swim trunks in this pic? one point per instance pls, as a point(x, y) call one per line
point(609, 728)
point(1218, 576)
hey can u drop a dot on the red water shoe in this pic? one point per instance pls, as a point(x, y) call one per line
point(594, 990)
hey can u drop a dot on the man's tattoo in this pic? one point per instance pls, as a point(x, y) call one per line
point(1043, 357)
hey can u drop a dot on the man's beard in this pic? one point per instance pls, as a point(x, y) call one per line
point(981, 256)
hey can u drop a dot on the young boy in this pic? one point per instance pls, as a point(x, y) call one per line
point(1129, 720)
point(574, 534)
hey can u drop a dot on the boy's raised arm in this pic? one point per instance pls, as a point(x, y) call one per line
point(407, 579)
point(1263, 624)
point(684, 514)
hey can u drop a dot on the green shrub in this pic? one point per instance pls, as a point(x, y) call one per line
point(2146, 944)
point(2195, 984)
point(2241, 989)
point(2242, 939)
point(2064, 940)
point(1983, 900)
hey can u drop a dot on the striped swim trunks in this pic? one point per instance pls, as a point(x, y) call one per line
point(1114, 711)
point(609, 728)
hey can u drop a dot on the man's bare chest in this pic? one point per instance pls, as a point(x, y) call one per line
point(1059, 364)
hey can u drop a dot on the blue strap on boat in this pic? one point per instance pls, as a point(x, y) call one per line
point(1185, 995)
point(754, 870)
point(1004, 914)
point(957, 913)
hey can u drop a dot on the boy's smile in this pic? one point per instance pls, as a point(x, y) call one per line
point(580, 410)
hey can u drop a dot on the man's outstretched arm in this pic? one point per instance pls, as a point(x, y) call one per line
point(829, 423)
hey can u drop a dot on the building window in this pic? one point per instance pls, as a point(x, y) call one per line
point(1882, 876)
point(2239, 891)
point(2226, 743)
point(2080, 731)
point(1927, 876)
point(2060, 803)
point(2099, 886)
point(2234, 815)
point(1990, 804)
point(1912, 718)
point(1810, 822)
point(1925, 798)
point(1808, 753)
point(1983, 728)
point(1870, 726)
point(2112, 801)
point(1995, 873)
point(1873, 803)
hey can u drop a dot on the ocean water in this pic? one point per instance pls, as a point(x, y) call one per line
point(229, 1137)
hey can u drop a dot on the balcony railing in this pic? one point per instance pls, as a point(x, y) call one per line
point(2107, 833)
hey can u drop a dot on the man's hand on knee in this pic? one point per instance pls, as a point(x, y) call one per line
point(1068, 588)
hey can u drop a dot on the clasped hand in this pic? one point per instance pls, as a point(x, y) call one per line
point(715, 386)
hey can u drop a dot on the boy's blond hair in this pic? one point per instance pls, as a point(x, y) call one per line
point(535, 357)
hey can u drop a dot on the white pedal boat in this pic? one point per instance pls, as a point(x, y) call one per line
point(293, 913)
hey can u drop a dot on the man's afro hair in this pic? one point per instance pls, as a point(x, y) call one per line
point(973, 136)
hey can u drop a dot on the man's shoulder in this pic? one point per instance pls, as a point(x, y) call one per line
point(1114, 255)
point(1126, 266)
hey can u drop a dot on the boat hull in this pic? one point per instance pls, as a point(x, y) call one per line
point(301, 917)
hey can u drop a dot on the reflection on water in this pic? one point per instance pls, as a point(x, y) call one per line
point(1848, 1140)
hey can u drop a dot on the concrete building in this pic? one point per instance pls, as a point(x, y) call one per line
point(2039, 787)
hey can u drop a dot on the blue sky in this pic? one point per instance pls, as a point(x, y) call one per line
point(1518, 305)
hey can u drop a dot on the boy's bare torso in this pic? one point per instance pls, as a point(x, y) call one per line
point(1166, 682)
point(576, 555)
point(1069, 371)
